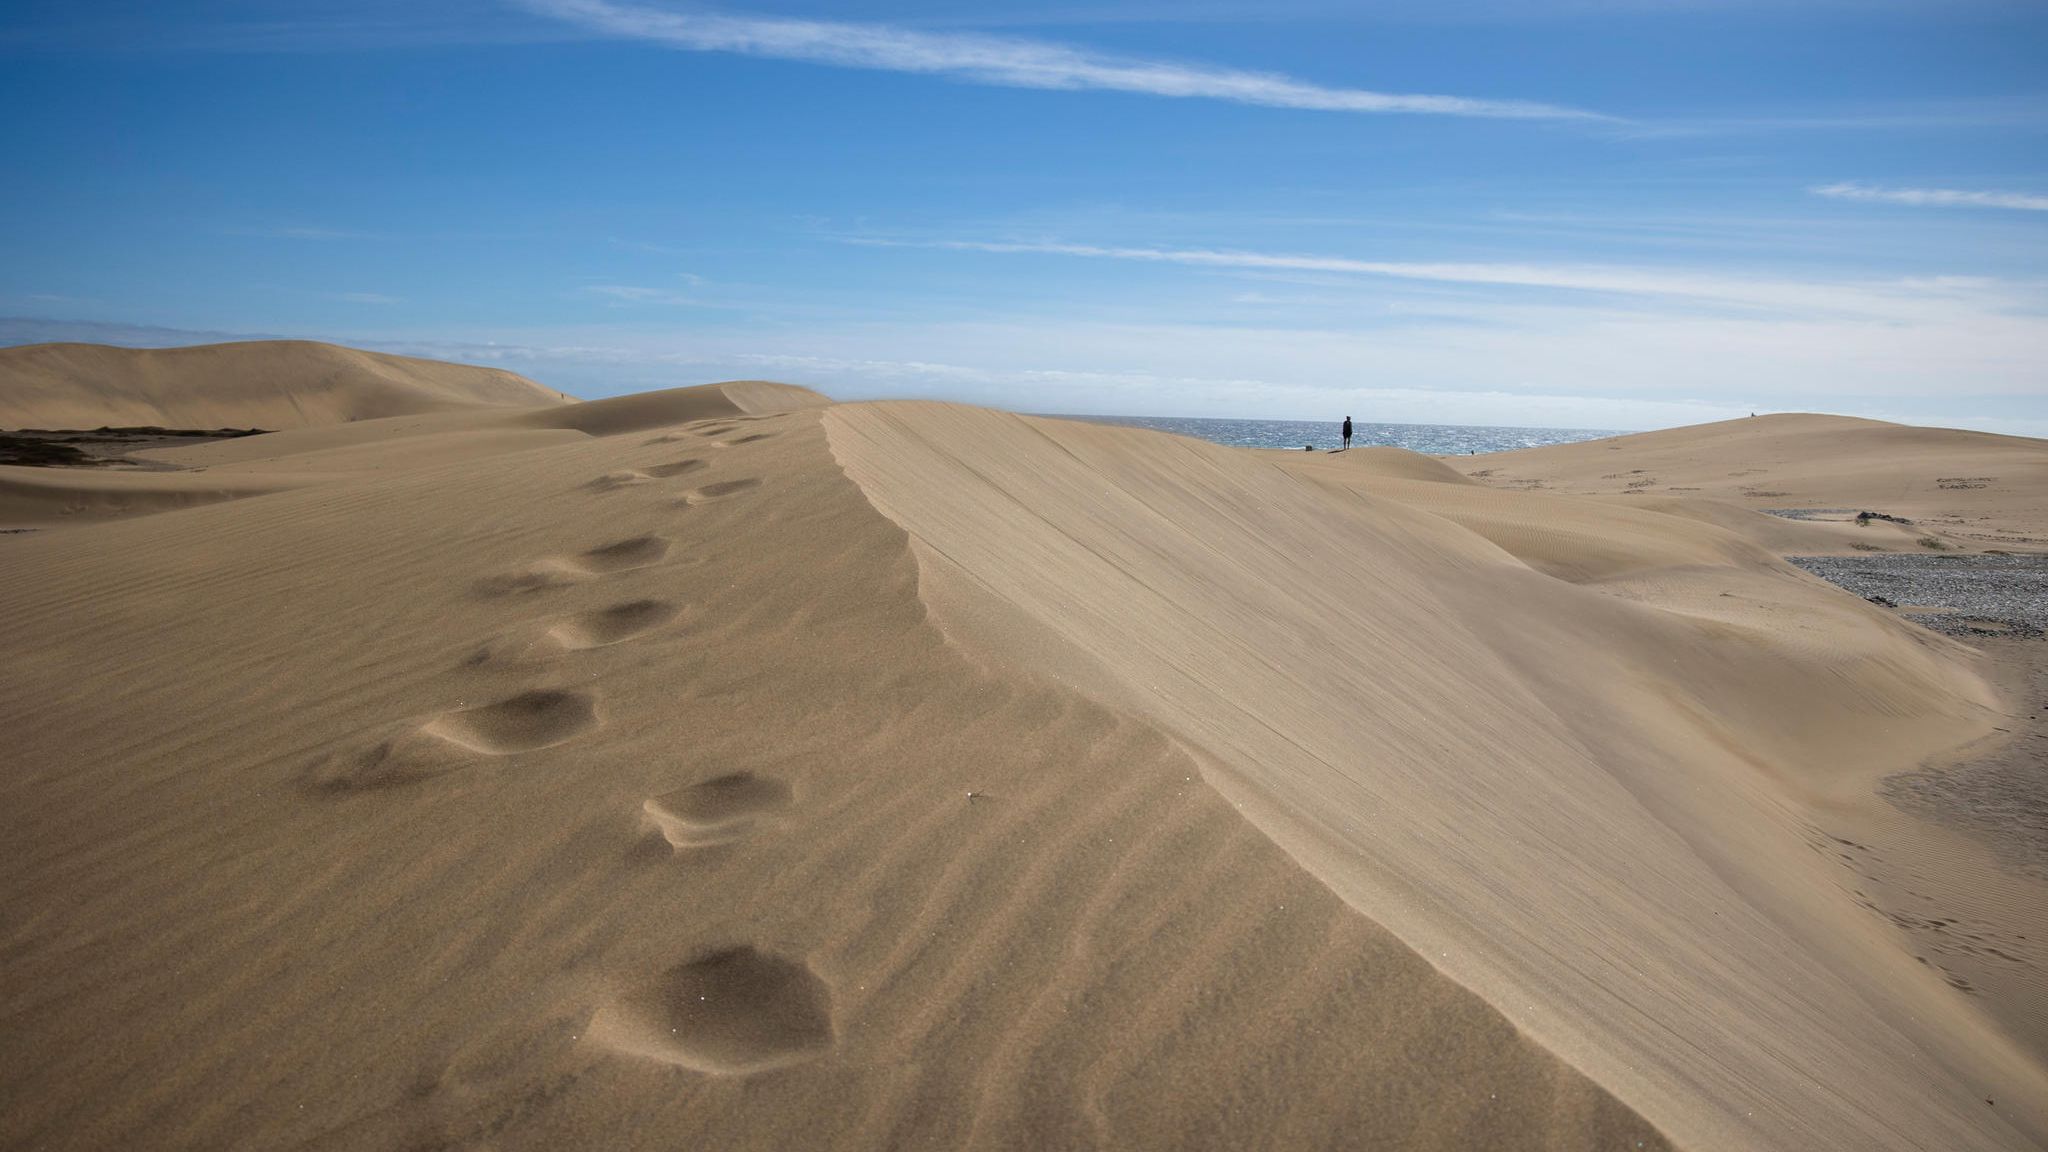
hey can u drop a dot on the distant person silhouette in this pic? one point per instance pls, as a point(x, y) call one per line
point(1347, 433)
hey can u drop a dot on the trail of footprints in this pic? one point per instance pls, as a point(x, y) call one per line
point(1939, 941)
point(730, 1011)
point(526, 721)
point(734, 1010)
point(557, 571)
point(539, 717)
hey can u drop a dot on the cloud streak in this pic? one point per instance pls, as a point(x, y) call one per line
point(1904, 299)
point(624, 295)
point(1935, 197)
point(1009, 62)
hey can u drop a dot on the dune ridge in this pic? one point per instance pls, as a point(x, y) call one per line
point(297, 456)
point(1977, 489)
point(248, 384)
point(1307, 632)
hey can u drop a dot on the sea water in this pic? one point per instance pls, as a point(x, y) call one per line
point(1433, 439)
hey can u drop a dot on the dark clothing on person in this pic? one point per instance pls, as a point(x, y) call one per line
point(1347, 431)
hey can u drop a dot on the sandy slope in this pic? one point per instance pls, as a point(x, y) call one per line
point(718, 769)
point(1573, 754)
point(615, 792)
point(445, 414)
point(1969, 489)
point(252, 384)
point(276, 384)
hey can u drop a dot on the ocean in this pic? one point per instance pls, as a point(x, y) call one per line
point(1433, 439)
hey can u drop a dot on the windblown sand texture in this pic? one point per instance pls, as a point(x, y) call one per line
point(1971, 490)
point(724, 768)
point(250, 384)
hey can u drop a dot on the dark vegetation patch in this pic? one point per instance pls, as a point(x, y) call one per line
point(101, 447)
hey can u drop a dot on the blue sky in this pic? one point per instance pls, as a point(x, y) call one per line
point(1607, 213)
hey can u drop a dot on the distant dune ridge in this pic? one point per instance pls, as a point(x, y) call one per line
point(1979, 485)
point(724, 767)
point(252, 384)
point(338, 409)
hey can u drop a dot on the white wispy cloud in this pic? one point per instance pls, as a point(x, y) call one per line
point(1010, 62)
point(1905, 298)
point(1935, 197)
point(1581, 368)
point(626, 294)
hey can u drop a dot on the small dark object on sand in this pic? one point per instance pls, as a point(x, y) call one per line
point(1866, 517)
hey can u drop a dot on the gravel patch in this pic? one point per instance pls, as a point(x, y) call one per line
point(2000, 602)
point(1976, 594)
point(1810, 513)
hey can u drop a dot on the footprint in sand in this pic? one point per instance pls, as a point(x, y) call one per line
point(731, 1012)
point(677, 468)
point(718, 491)
point(450, 742)
point(612, 625)
point(749, 439)
point(536, 577)
point(538, 718)
point(539, 641)
point(716, 811)
point(613, 481)
point(557, 571)
point(713, 430)
point(632, 477)
point(623, 555)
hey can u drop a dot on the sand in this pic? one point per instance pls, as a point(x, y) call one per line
point(268, 384)
point(727, 768)
point(1970, 490)
point(250, 384)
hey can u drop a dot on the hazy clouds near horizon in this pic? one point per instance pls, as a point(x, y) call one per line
point(1592, 215)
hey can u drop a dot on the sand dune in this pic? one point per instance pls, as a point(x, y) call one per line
point(40, 497)
point(1304, 635)
point(720, 768)
point(1970, 489)
point(227, 469)
point(254, 384)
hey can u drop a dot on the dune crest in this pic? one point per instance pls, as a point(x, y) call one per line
point(430, 432)
point(1461, 709)
point(251, 384)
point(1975, 489)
